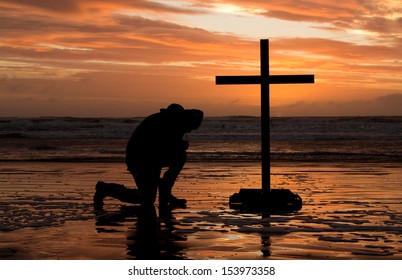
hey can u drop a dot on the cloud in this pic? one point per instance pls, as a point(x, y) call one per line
point(375, 18)
point(66, 45)
point(305, 10)
point(73, 48)
point(387, 105)
point(339, 49)
point(113, 31)
point(80, 6)
point(64, 6)
point(341, 63)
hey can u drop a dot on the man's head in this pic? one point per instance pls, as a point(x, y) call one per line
point(190, 118)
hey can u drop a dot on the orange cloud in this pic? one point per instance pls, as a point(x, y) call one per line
point(321, 10)
point(93, 53)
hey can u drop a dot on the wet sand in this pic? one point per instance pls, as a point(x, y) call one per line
point(350, 211)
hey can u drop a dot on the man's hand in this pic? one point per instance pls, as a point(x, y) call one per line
point(185, 144)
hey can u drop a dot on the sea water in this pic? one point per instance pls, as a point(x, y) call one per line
point(346, 169)
point(65, 139)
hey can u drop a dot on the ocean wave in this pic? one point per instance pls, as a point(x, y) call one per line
point(218, 139)
point(212, 128)
point(118, 157)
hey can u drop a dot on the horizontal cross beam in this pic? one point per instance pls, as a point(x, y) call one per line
point(271, 79)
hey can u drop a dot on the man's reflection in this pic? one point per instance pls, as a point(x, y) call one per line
point(152, 237)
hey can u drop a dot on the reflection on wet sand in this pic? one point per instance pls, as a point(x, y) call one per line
point(350, 211)
point(150, 236)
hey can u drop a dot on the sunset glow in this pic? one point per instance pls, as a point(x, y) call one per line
point(130, 58)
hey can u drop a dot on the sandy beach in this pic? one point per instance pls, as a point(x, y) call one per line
point(350, 211)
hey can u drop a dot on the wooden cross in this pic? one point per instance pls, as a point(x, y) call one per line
point(264, 79)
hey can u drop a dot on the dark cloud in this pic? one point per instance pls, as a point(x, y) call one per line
point(78, 6)
point(387, 105)
point(383, 25)
point(64, 6)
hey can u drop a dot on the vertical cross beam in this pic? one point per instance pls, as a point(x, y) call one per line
point(265, 118)
point(265, 79)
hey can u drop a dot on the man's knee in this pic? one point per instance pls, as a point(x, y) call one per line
point(179, 160)
point(147, 181)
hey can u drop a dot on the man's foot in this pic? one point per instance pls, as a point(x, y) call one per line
point(117, 191)
point(173, 202)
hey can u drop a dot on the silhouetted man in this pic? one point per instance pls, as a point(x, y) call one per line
point(157, 142)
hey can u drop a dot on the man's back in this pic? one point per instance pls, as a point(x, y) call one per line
point(155, 138)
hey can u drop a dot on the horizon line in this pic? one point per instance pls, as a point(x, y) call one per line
point(207, 116)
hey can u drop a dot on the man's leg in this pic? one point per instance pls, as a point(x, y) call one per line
point(116, 191)
point(147, 180)
point(168, 180)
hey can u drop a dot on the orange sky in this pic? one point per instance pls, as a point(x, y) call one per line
point(130, 58)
